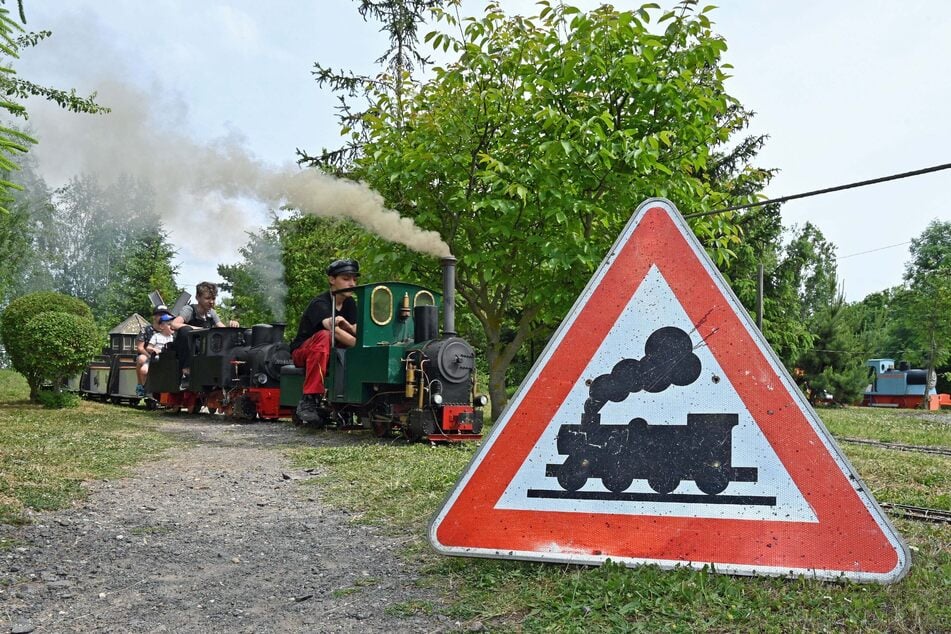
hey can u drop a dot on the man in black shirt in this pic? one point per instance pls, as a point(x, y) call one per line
point(310, 349)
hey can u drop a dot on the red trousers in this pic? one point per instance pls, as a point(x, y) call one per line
point(313, 355)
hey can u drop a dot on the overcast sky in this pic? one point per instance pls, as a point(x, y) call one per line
point(846, 90)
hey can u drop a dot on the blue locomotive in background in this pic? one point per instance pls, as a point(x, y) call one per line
point(901, 386)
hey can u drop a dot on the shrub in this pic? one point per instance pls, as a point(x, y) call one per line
point(57, 400)
point(48, 336)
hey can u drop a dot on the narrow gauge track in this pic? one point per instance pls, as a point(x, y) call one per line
point(940, 451)
point(920, 513)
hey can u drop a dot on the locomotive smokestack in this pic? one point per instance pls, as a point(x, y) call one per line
point(449, 295)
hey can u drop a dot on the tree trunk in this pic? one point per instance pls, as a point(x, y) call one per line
point(497, 392)
point(930, 371)
point(500, 357)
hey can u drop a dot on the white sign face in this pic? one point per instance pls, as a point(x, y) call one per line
point(658, 426)
point(773, 495)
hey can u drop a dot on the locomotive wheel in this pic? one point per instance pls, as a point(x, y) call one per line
point(413, 429)
point(664, 482)
point(712, 481)
point(617, 481)
point(382, 428)
point(244, 409)
point(573, 474)
point(196, 407)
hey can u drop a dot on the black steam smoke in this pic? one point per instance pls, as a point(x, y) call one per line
point(668, 360)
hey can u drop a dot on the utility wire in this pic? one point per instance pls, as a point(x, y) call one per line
point(891, 246)
point(872, 352)
point(827, 190)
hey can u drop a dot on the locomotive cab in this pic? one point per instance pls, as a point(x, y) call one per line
point(385, 331)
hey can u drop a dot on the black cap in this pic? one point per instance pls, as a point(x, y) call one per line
point(344, 267)
point(162, 309)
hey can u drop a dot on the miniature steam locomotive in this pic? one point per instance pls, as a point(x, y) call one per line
point(401, 376)
point(901, 386)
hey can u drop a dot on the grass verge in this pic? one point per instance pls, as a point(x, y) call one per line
point(401, 487)
point(46, 455)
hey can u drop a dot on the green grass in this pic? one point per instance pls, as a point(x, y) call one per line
point(906, 426)
point(46, 455)
point(400, 487)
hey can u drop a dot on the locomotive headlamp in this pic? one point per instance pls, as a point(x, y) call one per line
point(481, 400)
point(261, 378)
point(437, 399)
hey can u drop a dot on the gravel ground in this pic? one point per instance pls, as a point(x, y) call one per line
point(216, 537)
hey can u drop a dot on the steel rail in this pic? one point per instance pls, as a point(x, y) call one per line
point(932, 449)
point(919, 513)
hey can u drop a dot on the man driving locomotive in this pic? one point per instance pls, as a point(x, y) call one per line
point(310, 349)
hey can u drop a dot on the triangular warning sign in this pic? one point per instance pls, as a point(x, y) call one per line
point(659, 427)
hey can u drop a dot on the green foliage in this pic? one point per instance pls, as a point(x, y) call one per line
point(528, 152)
point(801, 285)
point(51, 399)
point(15, 245)
point(930, 252)
point(401, 20)
point(48, 336)
point(60, 344)
point(89, 241)
point(928, 302)
point(834, 365)
point(145, 266)
point(12, 142)
point(25, 269)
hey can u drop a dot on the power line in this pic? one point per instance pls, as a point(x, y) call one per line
point(891, 246)
point(827, 190)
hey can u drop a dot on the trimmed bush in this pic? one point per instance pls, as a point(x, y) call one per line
point(48, 336)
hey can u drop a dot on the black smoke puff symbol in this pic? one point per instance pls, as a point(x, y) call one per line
point(668, 360)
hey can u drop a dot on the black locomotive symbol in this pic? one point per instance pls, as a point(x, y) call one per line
point(664, 455)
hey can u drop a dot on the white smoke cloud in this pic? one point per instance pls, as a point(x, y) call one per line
point(209, 194)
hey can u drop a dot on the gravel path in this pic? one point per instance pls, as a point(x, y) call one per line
point(216, 537)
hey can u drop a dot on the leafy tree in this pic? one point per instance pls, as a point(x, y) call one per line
point(401, 20)
point(84, 237)
point(146, 266)
point(48, 335)
point(24, 269)
point(802, 285)
point(61, 343)
point(12, 141)
point(529, 151)
point(15, 246)
point(928, 303)
point(834, 365)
